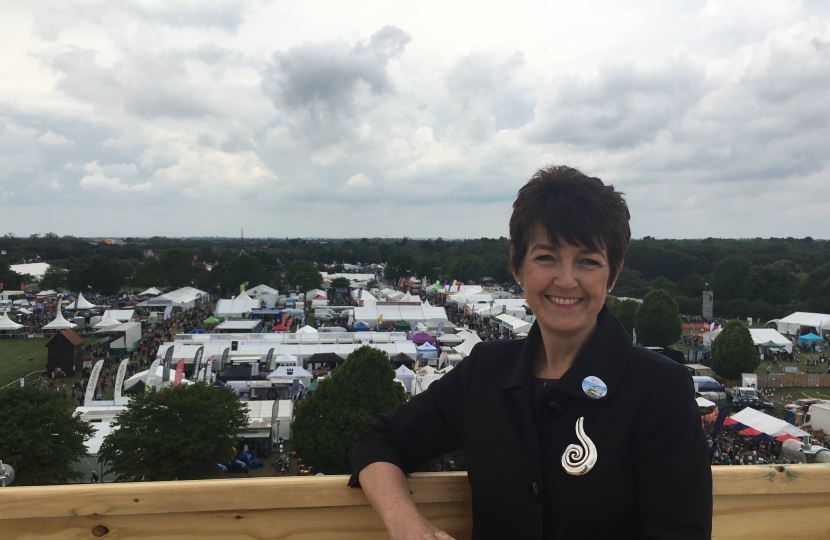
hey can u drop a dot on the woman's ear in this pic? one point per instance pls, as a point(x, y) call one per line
point(611, 285)
point(517, 273)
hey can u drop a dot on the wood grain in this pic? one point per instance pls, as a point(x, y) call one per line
point(752, 502)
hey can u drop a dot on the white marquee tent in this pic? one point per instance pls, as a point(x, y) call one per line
point(465, 348)
point(108, 320)
point(59, 323)
point(6, 324)
point(236, 307)
point(152, 291)
point(80, 303)
point(759, 337)
point(815, 322)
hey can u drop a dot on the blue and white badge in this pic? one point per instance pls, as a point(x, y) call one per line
point(594, 387)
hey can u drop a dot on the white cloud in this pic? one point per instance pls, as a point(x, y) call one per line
point(710, 116)
point(51, 138)
point(97, 179)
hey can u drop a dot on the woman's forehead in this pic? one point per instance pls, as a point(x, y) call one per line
point(542, 240)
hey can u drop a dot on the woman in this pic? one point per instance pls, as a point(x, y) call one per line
point(572, 432)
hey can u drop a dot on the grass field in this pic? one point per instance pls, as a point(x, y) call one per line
point(19, 357)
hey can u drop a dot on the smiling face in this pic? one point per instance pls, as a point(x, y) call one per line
point(565, 286)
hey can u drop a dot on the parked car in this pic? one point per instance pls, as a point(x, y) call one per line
point(743, 397)
point(802, 404)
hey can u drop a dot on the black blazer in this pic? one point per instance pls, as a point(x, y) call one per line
point(652, 477)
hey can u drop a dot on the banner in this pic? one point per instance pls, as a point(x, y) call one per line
point(158, 378)
point(93, 382)
point(209, 373)
point(438, 330)
point(151, 379)
point(179, 373)
point(380, 319)
point(167, 312)
point(168, 358)
point(254, 369)
point(269, 360)
point(224, 358)
point(119, 378)
point(197, 362)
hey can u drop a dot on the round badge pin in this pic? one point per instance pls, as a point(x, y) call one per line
point(594, 387)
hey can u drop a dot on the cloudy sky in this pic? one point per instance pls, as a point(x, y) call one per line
point(390, 118)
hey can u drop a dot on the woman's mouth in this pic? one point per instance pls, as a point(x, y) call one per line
point(560, 301)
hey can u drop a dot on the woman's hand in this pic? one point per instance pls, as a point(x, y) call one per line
point(385, 486)
point(418, 528)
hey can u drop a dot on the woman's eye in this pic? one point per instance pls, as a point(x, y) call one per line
point(544, 258)
point(591, 262)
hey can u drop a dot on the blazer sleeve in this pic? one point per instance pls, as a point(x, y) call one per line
point(672, 469)
point(425, 427)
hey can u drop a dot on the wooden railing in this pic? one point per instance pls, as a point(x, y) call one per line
point(790, 502)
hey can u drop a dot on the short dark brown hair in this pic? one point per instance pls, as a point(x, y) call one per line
point(572, 208)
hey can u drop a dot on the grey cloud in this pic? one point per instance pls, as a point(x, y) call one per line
point(623, 106)
point(321, 80)
point(53, 18)
point(148, 86)
point(478, 78)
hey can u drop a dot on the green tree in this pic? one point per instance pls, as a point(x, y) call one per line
point(657, 320)
point(54, 278)
point(626, 310)
point(178, 267)
point(467, 267)
point(303, 274)
point(729, 278)
point(733, 351)
point(242, 269)
point(402, 265)
point(815, 291)
point(341, 282)
point(775, 283)
point(150, 274)
point(10, 279)
point(105, 275)
point(179, 433)
point(327, 423)
point(40, 436)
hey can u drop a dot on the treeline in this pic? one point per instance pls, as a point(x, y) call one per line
point(764, 278)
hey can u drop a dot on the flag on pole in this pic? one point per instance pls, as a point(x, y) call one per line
point(634, 336)
point(254, 369)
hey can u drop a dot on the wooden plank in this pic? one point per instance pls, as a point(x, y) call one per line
point(801, 516)
point(770, 479)
point(339, 523)
point(752, 502)
point(211, 495)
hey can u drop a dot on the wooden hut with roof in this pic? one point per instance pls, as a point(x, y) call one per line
point(66, 351)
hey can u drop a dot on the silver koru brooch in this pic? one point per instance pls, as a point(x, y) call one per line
point(578, 459)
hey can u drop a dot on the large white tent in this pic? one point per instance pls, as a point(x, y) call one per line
point(411, 314)
point(152, 291)
point(465, 348)
point(767, 424)
point(108, 320)
point(236, 307)
point(286, 374)
point(36, 270)
point(760, 336)
point(59, 323)
point(80, 303)
point(265, 294)
point(815, 322)
point(6, 324)
point(307, 330)
point(184, 298)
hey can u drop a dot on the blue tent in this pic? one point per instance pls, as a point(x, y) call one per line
point(707, 384)
point(427, 351)
point(806, 338)
point(361, 326)
point(197, 331)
